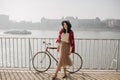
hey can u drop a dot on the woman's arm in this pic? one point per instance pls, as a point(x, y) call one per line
point(70, 50)
point(59, 40)
point(72, 44)
point(59, 36)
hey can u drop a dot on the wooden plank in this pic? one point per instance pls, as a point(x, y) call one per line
point(0, 76)
point(28, 75)
point(33, 75)
point(23, 73)
point(15, 74)
point(7, 75)
point(3, 75)
point(44, 76)
point(11, 75)
point(37, 75)
point(21, 76)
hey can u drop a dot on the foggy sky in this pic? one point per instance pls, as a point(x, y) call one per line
point(34, 10)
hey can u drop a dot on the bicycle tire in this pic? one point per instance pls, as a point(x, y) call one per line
point(38, 64)
point(76, 60)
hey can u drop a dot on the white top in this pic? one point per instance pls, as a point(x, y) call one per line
point(65, 37)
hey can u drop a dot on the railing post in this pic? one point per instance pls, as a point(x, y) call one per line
point(29, 54)
point(118, 57)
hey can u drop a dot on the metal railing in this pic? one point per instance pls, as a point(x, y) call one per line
point(96, 53)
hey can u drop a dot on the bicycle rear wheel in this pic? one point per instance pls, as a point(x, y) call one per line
point(77, 63)
point(41, 61)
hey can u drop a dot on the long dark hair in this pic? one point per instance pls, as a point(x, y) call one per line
point(68, 24)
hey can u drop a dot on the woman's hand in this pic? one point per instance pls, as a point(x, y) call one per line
point(70, 51)
point(58, 47)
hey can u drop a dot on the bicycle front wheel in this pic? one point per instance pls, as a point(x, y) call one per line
point(41, 61)
point(76, 63)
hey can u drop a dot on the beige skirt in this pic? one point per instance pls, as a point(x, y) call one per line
point(64, 59)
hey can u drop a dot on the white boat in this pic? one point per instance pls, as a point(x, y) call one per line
point(22, 32)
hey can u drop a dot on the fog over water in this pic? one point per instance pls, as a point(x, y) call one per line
point(77, 34)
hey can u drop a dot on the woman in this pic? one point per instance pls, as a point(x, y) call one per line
point(65, 47)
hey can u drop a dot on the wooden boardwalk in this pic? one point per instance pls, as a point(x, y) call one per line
point(14, 74)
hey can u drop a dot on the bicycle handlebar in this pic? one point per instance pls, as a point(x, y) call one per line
point(48, 45)
point(52, 47)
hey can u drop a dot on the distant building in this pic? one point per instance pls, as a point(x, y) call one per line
point(112, 22)
point(55, 24)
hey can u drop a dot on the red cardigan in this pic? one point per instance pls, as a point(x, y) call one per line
point(71, 39)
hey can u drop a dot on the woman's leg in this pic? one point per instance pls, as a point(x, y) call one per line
point(57, 70)
point(64, 70)
point(65, 74)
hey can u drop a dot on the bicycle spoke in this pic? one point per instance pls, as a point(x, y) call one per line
point(76, 61)
point(41, 61)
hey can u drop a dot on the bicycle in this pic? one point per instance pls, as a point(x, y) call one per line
point(41, 61)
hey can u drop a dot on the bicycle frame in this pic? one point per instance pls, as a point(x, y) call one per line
point(50, 53)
